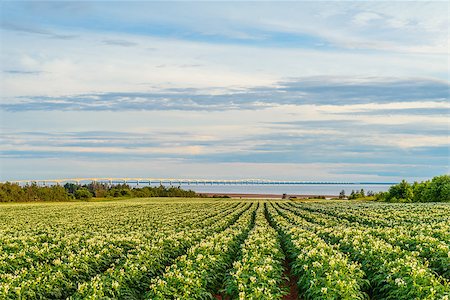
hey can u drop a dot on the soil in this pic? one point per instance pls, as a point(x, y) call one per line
point(290, 283)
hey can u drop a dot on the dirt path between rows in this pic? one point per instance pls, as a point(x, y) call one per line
point(290, 283)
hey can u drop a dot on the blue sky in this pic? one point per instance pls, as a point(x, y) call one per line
point(275, 90)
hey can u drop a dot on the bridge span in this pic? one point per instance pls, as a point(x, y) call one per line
point(176, 181)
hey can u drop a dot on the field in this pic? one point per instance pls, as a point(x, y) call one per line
point(224, 249)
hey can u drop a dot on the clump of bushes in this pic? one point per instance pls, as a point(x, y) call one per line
point(221, 196)
point(82, 194)
point(361, 194)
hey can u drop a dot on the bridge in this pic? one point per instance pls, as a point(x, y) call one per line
point(175, 181)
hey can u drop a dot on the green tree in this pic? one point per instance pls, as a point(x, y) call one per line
point(439, 189)
point(71, 187)
point(421, 191)
point(83, 194)
point(10, 192)
point(362, 194)
point(402, 192)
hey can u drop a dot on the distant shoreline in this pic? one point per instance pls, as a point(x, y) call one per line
point(262, 196)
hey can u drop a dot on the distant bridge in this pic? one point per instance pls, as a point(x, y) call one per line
point(175, 181)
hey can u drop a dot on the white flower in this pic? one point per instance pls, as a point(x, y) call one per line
point(115, 285)
point(400, 282)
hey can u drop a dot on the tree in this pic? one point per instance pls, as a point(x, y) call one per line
point(421, 191)
point(439, 189)
point(361, 193)
point(435, 190)
point(402, 192)
point(71, 187)
point(83, 194)
point(342, 195)
point(10, 192)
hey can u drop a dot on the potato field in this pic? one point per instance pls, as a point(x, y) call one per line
point(176, 248)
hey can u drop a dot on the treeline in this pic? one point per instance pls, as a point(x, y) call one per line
point(10, 192)
point(434, 190)
point(102, 190)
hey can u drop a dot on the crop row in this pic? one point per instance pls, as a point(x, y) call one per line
point(82, 261)
point(258, 273)
point(131, 277)
point(204, 249)
point(199, 272)
point(27, 251)
point(393, 273)
point(432, 221)
point(323, 271)
point(412, 238)
point(30, 250)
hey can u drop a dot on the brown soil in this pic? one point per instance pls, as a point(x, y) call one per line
point(290, 283)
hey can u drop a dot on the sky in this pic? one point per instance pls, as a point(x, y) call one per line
point(313, 91)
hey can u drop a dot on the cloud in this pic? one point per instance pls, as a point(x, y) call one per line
point(305, 138)
point(413, 27)
point(364, 18)
point(205, 89)
point(122, 43)
point(303, 91)
point(443, 111)
point(36, 30)
point(300, 142)
point(22, 72)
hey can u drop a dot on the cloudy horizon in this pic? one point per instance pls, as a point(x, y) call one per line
point(313, 91)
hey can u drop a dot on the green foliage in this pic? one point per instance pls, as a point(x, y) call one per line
point(82, 194)
point(393, 270)
point(10, 192)
point(402, 192)
point(323, 272)
point(162, 191)
point(317, 197)
point(439, 189)
point(436, 190)
point(71, 187)
point(357, 195)
point(258, 273)
point(199, 249)
point(199, 272)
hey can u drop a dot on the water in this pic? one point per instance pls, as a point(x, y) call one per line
point(330, 189)
point(294, 189)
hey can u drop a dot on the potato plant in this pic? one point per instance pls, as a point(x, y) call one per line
point(235, 249)
point(258, 273)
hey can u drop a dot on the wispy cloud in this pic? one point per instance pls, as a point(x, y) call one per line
point(35, 30)
point(315, 90)
point(416, 27)
point(122, 43)
point(300, 142)
point(22, 72)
